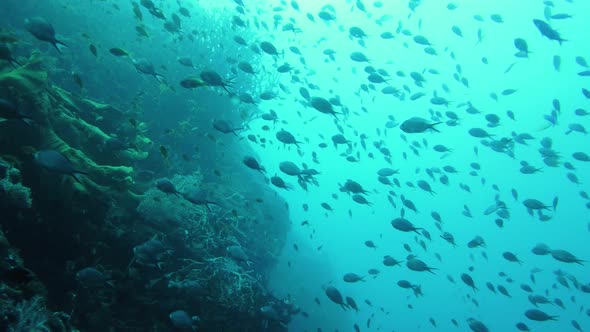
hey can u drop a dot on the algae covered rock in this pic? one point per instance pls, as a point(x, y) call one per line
point(12, 192)
point(160, 209)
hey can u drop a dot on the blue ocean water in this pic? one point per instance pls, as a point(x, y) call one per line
point(537, 84)
point(466, 54)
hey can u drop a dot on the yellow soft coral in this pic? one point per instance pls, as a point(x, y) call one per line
point(62, 124)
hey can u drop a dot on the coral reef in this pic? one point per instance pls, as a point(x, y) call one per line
point(63, 122)
point(21, 306)
point(163, 209)
point(200, 262)
point(154, 253)
point(12, 191)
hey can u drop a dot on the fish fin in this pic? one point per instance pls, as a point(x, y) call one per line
point(76, 175)
point(433, 128)
point(28, 121)
point(160, 78)
point(58, 45)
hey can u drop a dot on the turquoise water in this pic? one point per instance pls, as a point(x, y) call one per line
point(537, 84)
point(464, 72)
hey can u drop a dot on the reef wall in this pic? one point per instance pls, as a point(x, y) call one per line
point(111, 251)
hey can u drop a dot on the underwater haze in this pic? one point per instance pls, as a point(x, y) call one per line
point(233, 165)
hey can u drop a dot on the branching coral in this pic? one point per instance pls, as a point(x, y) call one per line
point(231, 286)
point(30, 315)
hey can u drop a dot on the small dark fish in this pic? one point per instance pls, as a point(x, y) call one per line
point(279, 183)
point(165, 186)
point(522, 47)
point(118, 52)
point(561, 16)
point(581, 61)
point(43, 30)
point(192, 83)
point(90, 277)
point(225, 127)
point(164, 151)
point(240, 40)
point(508, 92)
point(497, 18)
point(77, 79)
point(5, 54)
point(327, 206)
point(9, 111)
point(145, 66)
point(186, 61)
point(547, 31)
point(212, 78)
point(417, 125)
point(137, 11)
point(198, 197)
point(252, 163)
point(181, 320)
point(336, 297)
point(509, 68)
point(269, 48)
point(557, 62)
point(184, 11)
point(56, 162)
point(538, 315)
point(370, 244)
point(476, 325)
point(322, 105)
point(141, 31)
point(93, 49)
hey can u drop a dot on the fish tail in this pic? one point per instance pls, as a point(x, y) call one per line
point(159, 78)
point(28, 121)
point(58, 45)
point(81, 172)
point(434, 124)
point(76, 175)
